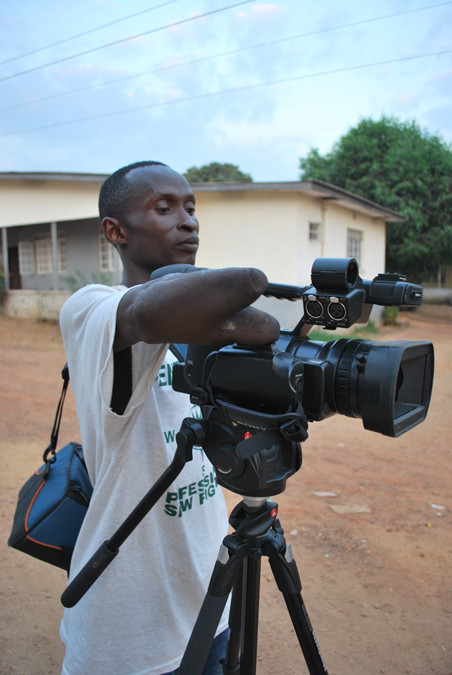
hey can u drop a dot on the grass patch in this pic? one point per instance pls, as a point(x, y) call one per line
point(370, 329)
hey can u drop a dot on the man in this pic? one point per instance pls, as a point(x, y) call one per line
point(137, 617)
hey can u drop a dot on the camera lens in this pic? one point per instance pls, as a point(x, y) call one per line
point(386, 384)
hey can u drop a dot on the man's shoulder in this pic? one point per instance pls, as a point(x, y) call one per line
point(96, 289)
point(92, 293)
point(89, 298)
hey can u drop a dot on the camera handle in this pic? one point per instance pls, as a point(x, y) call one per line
point(257, 533)
point(191, 433)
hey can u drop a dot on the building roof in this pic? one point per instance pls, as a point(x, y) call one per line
point(54, 176)
point(312, 187)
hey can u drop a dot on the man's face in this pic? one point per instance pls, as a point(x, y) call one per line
point(161, 225)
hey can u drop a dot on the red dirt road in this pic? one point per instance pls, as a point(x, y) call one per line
point(374, 559)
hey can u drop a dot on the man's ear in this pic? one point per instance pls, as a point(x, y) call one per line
point(114, 231)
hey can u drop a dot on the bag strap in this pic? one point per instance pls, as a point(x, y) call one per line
point(51, 448)
point(178, 351)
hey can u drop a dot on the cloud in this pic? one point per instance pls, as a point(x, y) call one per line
point(264, 10)
point(264, 129)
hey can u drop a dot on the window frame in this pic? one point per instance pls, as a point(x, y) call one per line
point(355, 244)
point(27, 265)
point(315, 231)
point(106, 255)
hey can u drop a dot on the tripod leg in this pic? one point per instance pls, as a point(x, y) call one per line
point(286, 575)
point(232, 658)
point(241, 654)
point(250, 613)
point(224, 575)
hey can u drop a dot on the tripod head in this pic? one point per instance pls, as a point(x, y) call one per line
point(253, 453)
point(252, 441)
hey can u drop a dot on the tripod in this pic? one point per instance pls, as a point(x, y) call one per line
point(257, 533)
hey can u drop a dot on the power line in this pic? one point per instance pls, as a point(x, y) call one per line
point(132, 37)
point(232, 90)
point(227, 53)
point(86, 32)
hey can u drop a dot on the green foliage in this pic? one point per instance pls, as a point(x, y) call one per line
point(321, 335)
point(405, 169)
point(368, 329)
point(216, 173)
point(358, 331)
point(390, 316)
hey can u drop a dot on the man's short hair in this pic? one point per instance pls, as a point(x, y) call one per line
point(116, 190)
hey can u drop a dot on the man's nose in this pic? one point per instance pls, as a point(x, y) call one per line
point(188, 222)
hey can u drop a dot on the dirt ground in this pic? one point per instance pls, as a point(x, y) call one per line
point(368, 517)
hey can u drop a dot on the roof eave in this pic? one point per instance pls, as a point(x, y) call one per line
point(313, 187)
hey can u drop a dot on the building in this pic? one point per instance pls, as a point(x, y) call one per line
point(52, 241)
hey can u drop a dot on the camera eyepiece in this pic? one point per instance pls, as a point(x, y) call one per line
point(335, 274)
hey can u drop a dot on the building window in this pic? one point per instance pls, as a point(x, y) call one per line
point(35, 257)
point(106, 255)
point(43, 254)
point(61, 255)
point(354, 244)
point(314, 231)
point(26, 258)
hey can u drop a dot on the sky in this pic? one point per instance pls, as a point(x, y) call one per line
point(93, 85)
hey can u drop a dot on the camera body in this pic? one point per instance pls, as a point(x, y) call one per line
point(257, 402)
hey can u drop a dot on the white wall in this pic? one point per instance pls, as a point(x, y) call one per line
point(41, 201)
point(248, 229)
point(271, 231)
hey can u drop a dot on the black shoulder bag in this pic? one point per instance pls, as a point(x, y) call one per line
point(52, 504)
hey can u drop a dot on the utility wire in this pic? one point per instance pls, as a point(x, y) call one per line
point(87, 32)
point(127, 39)
point(232, 90)
point(222, 54)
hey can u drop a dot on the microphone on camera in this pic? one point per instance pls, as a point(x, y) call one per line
point(178, 268)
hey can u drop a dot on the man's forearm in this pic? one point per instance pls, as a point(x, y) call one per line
point(206, 307)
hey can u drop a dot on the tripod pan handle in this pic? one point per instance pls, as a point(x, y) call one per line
point(88, 575)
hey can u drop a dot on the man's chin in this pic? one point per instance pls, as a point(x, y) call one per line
point(186, 257)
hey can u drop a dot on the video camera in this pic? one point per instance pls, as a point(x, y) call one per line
point(257, 401)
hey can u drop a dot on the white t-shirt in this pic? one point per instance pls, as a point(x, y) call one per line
point(138, 615)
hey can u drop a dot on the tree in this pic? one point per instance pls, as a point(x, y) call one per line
point(403, 168)
point(216, 173)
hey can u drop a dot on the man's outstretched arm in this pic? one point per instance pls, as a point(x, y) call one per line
point(206, 307)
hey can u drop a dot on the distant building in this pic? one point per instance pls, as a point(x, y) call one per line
point(52, 240)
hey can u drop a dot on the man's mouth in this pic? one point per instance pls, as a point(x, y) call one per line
point(189, 244)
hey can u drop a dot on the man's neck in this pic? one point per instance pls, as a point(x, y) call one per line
point(135, 278)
